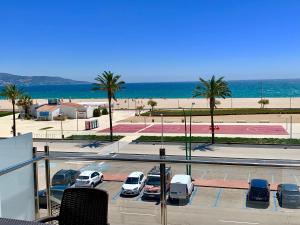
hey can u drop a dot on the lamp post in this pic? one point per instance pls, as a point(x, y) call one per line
point(190, 147)
point(162, 130)
point(185, 139)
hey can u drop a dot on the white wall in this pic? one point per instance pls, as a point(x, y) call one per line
point(55, 113)
point(70, 112)
point(16, 188)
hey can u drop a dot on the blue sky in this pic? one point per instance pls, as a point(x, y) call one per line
point(151, 40)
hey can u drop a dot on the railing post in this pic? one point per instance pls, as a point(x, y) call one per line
point(163, 203)
point(35, 186)
point(47, 176)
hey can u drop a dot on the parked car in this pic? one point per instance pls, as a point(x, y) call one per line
point(65, 177)
point(259, 190)
point(89, 178)
point(181, 187)
point(56, 193)
point(133, 184)
point(288, 195)
point(152, 185)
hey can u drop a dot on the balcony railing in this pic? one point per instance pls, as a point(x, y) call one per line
point(220, 194)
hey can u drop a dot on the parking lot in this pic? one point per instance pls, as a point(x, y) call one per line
point(207, 205)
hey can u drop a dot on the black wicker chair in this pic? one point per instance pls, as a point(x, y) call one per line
point(82, 206)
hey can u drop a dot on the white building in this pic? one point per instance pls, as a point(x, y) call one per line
point(47, 112)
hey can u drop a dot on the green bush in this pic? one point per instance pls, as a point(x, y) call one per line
point(220, 111)
point(104, 111)
point(96, 113)
point(221, 140)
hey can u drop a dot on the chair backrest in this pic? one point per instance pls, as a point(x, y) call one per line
point(84, 206)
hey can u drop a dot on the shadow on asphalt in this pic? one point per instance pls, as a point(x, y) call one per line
point(257, 205)
point(203, 147)
point(95, 144)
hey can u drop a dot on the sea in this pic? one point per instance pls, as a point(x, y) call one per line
point(239, 89)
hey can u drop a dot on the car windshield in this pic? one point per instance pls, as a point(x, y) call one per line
point(257, 190)
point(131, 180)
point(155, 181)
point(294, 192)
point(58, 177)
point(83, 177)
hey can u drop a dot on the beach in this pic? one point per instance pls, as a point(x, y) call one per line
point(168, 103)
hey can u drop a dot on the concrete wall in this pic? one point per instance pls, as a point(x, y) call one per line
point(16, 188)
point(68, 111)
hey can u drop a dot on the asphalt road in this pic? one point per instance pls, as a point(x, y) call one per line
point(206, 205)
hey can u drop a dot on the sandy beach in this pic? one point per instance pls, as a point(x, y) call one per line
point(181, 102)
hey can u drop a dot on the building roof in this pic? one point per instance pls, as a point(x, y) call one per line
point(71, 104)
point(48, 108)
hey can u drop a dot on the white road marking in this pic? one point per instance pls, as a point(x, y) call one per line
point(226, 175)
point(297, 181)
point(238, 222)
point(114, 155)
point(138, 214)
point(79, 162)
point(249, 176)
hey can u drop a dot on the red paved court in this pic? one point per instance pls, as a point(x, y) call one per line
point(200, 129)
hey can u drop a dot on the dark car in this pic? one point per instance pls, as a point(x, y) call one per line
point(259, 190)
point(288, 195)
point(56, 193)
point(65, 177)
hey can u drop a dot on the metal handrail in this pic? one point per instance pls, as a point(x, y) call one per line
point(167, 159)
point(21, 165)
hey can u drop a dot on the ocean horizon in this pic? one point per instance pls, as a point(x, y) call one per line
point(240, 89)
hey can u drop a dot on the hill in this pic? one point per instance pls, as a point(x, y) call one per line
point(6, 78)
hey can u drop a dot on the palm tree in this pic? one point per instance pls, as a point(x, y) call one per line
point(110, 83)
point(152, 103)
point(25, 102)
point(212, 89)
point(12, 92)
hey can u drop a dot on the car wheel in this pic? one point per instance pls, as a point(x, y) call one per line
point(101, 179)
point(92, 185)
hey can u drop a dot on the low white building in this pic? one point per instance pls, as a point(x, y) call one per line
point(70, 109)
point(47, 112)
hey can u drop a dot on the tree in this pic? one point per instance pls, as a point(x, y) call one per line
point(25, 101)
point(263, 102)
point(12, 92)
point(110, 83)
point(139, 109)
point(212, 89)
point(152, 103)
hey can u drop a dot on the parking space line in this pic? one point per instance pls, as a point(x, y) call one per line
point(297, 181)
point(116, 196)
point(272, 179)
point(138, 198)
point(137, 214)
point(217, 198)
point(245, 198)
point(249, 175)
point(203, 174)
point(193, 195)
point(275, 208)
point(238, 222)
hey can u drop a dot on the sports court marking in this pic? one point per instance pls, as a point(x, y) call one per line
point(199, 129)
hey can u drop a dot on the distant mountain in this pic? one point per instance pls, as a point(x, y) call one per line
point(6, 78)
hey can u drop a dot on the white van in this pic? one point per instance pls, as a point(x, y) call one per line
point(181, 187)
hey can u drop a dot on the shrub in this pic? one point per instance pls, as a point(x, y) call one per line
point(96, 113)
point(104, 111)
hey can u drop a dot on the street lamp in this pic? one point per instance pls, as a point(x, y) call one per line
point(162, 130)
point(185, 139)
point(190, 147)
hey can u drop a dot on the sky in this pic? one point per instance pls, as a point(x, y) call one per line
point(151, 40)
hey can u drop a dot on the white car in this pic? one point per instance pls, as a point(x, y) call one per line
point(89, 178)
point(133, 184)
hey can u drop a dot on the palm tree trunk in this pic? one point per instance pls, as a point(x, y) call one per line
point(14, 118)
point(212, 121)
point(110, 119)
